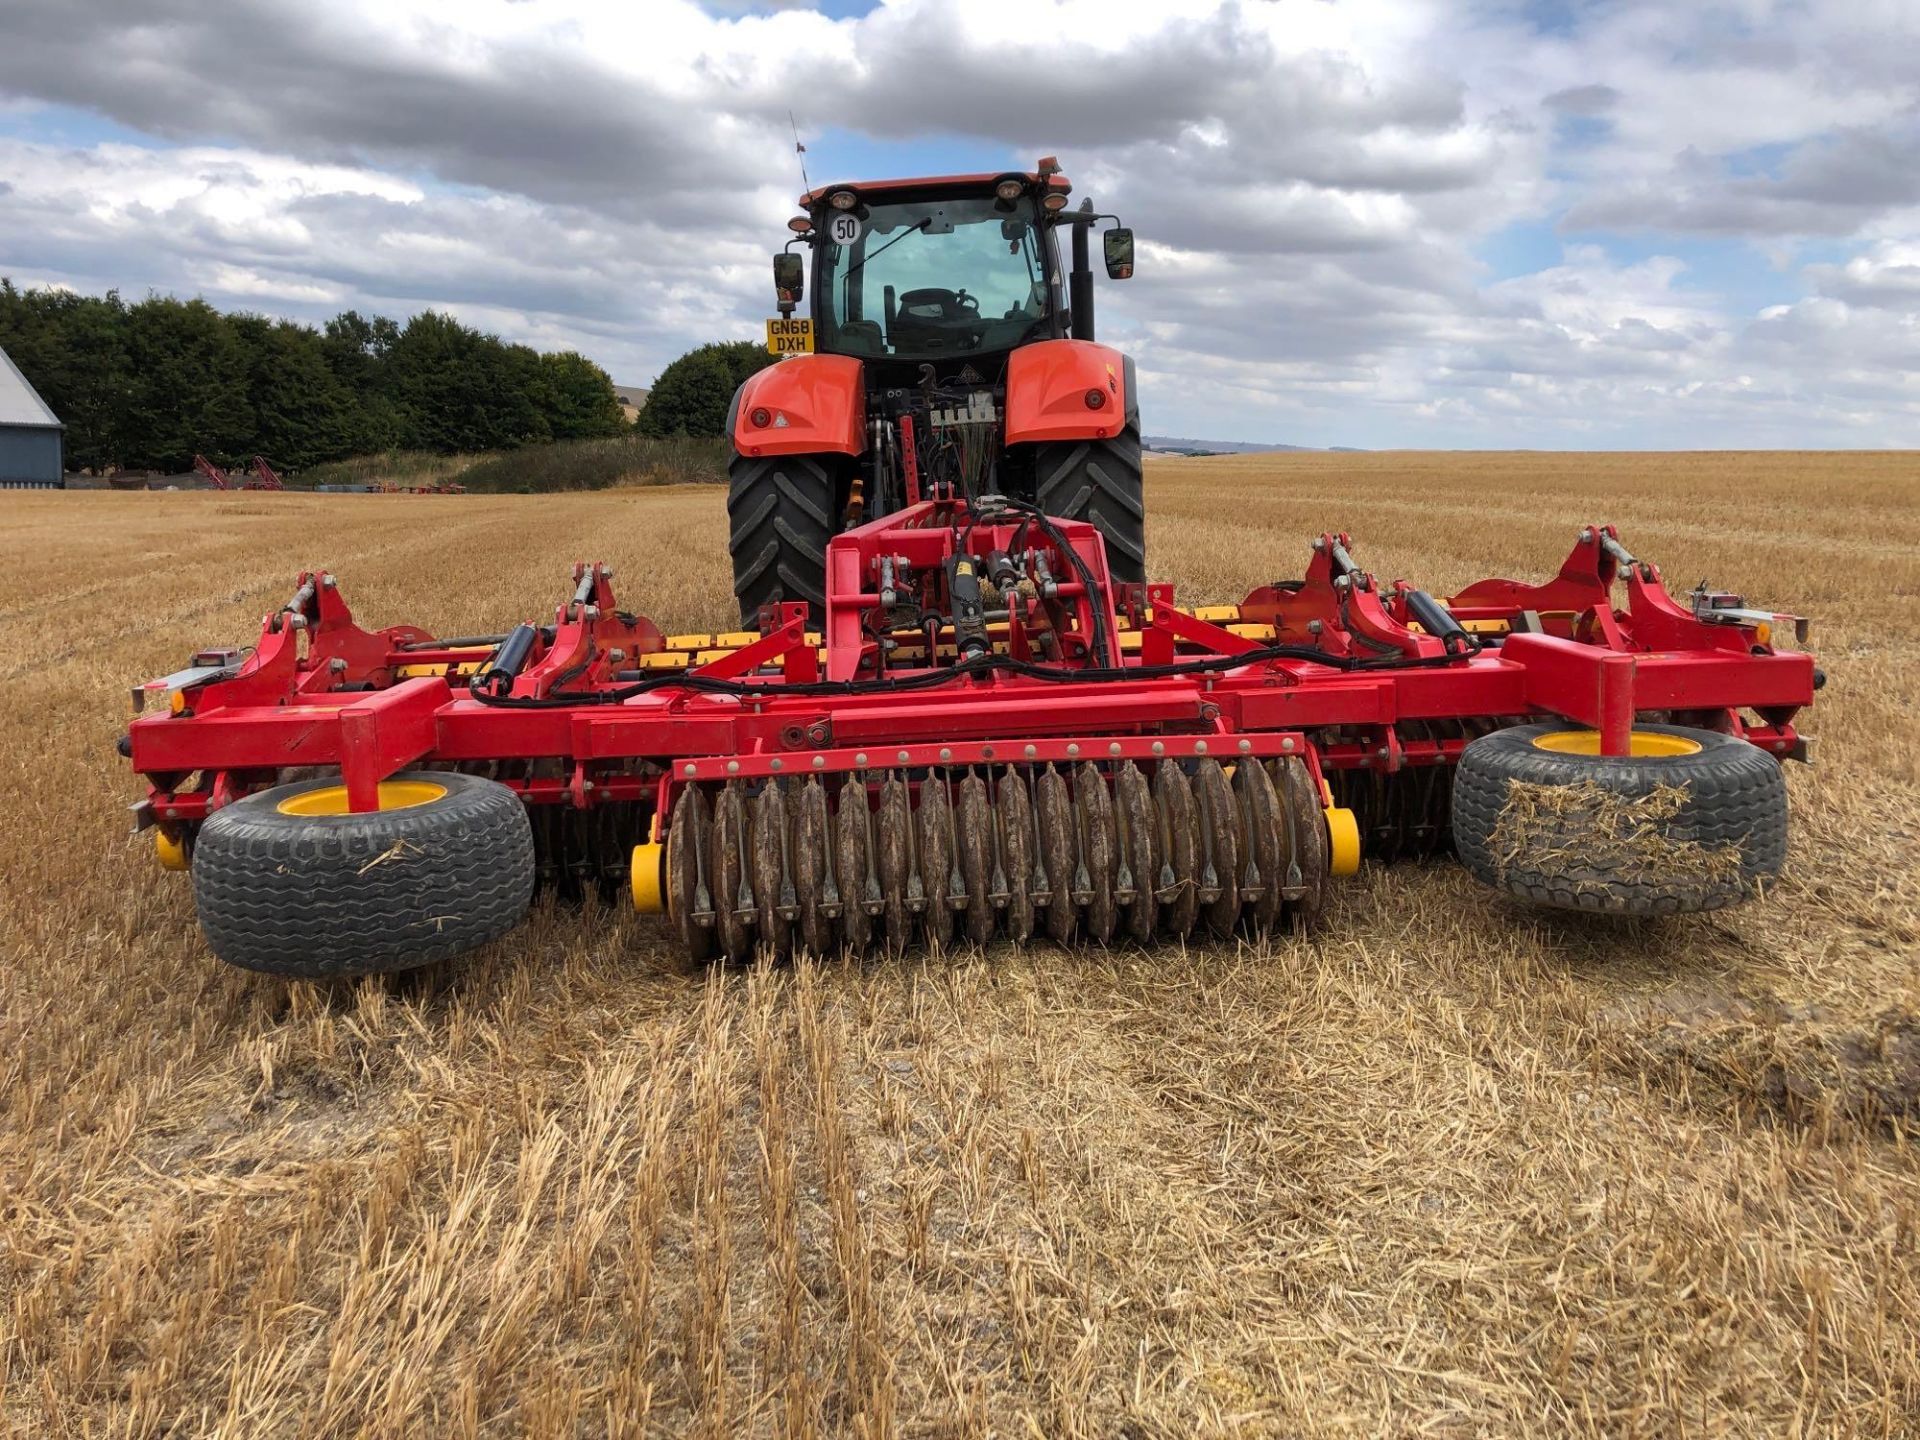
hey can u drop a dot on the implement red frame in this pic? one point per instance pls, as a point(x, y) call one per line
point(317, 690)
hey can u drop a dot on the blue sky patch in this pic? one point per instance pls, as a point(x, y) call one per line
point(69, 125)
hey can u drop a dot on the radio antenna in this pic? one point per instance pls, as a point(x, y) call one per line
point(800, 151)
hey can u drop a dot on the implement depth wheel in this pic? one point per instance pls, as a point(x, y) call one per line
point(289, 882)
point(1690, 820)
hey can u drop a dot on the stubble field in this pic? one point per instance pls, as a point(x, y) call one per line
point(1451, 1166)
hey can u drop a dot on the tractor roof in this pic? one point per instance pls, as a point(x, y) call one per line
point(982, 182)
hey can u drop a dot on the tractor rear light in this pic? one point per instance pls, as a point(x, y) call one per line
point(760, 417)
point(1055, 200)
point(843, 200)
point(1009, 189)
point(800, 224)
point(1096, 399)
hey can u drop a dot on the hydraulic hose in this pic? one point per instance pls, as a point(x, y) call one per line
point(933, 679)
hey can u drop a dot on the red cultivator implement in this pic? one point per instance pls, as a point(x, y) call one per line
point(990, 737)
point(969, 716)
point(264, 477)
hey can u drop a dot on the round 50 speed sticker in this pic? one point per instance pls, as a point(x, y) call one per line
point(844, 228)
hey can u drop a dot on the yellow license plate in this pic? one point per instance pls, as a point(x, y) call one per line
point(789, 337)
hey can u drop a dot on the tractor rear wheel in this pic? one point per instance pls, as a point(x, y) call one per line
point(781, 512)
point(1099, 481)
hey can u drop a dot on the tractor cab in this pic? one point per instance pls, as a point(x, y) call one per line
point(944, 268)
point(933, 347)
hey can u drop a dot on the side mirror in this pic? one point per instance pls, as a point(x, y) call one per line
point(789, 272)
point(1119, 248)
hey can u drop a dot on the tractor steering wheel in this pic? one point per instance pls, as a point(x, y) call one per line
point(950, 304)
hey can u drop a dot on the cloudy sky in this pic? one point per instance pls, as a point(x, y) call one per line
point(1379, 223)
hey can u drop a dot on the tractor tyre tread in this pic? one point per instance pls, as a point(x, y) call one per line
point(1735, 798)
point(322, 896)
point(780, 516)
point(1099, 481)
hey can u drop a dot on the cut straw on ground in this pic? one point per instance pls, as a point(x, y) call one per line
point(1455, 1167)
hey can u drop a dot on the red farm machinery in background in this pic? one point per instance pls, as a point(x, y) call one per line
point(260, 475)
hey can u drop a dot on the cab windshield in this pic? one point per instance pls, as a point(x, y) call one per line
point(924, 279)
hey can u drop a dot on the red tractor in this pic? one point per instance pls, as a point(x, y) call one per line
point(945, 356)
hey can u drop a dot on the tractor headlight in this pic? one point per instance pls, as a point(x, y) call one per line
point(1009, 189)
point(1055, 200)
point(843, 200)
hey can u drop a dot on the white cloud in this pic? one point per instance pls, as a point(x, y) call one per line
point(1886, 276)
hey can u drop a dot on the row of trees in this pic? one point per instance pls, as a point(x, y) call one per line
point(147, 385)
point(692, 395)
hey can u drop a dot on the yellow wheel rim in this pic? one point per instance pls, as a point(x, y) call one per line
point(649, 878)
point(1343, 841)
point(1641, 744)
point(332, 799)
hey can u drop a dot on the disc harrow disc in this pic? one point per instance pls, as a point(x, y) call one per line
point(1260, 823)
point(689, 901)
point(1014, 820)
point(773, 893)
point(1098, 852)
point(899, 881)
point(973, 830)
point(860, 897)
point(813, 879)
point(732, 895)
point(1054, 824)
point(936, 862)
point(1179, 885)
point(1139, 839)
point(1220, 834)
point(1308, 829)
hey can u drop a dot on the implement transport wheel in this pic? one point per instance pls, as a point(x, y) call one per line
point(1690, 820)
point(290, 882)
